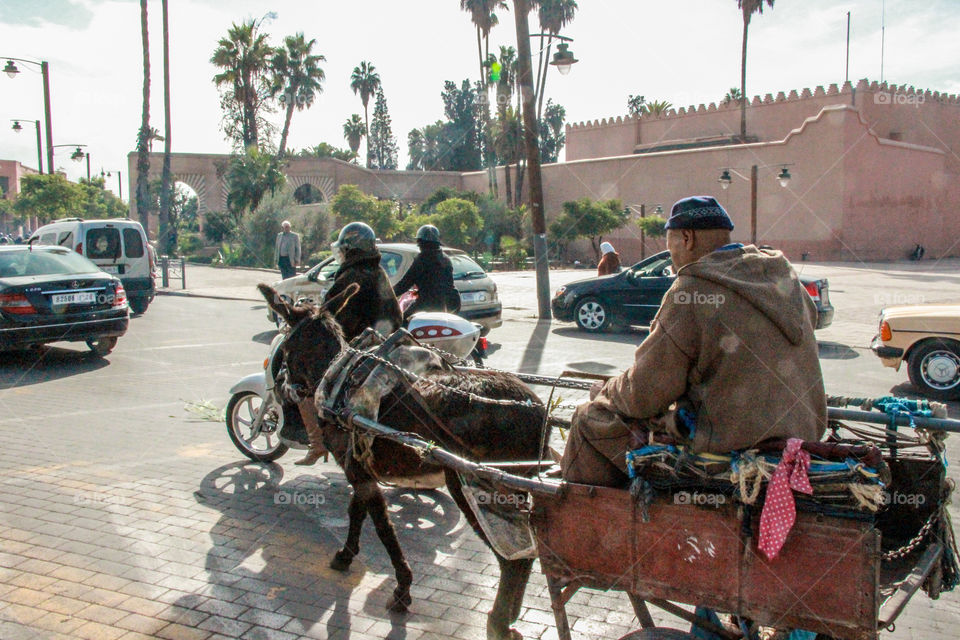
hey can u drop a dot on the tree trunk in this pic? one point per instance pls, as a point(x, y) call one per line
point(166, 233)
point(286, 129)
point(507, 184)
point(143, 159)
point(366, 120)
point(743, 80)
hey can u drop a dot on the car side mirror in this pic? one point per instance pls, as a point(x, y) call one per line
point(313, 276)
point(667, 272)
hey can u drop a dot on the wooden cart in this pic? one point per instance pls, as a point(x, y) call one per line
point(830, 577)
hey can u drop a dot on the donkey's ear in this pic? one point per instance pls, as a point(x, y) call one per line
point(275, 302)
point(335, 304)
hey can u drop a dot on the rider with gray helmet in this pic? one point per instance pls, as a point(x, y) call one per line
point(432, 273)
point(375, 304)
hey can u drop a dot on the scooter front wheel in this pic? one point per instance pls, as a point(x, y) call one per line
point(260, 446)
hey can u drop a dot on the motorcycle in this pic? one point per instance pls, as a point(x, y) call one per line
point(263, 428)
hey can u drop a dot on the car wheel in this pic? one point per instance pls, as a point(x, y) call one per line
point(139, 305)
point(102, 346)
point(934, 369)
point(592, 315)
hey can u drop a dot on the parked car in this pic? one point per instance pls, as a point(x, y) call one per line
point(52, 294)
point(927, 337)
point(478, 293)
point(633, 296)
point(117, 245)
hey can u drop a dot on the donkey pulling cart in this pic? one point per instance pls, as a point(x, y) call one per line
point(874, 531)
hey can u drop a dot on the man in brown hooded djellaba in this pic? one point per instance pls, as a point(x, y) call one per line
point(731, 358)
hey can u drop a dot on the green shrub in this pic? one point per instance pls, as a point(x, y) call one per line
point(188, 243)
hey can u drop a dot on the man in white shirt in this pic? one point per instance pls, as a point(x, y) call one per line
point(286, 253)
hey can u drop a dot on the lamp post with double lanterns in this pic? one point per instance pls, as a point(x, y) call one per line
point(563, 59)
point(12, 70)
point(108, 173)
point(77, 155)
point(725, 179)
point(17, 127)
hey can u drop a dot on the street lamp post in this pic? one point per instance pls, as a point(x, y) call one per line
point(725, 179)
point(521, 8)
point(18, 128)
point(11, 70)
point(108, 174)
point(77, 155)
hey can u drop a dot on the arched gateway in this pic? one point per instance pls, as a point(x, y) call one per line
point(204, 173)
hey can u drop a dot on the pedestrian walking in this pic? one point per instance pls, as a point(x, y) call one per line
point(609, 262)
point(286, 253)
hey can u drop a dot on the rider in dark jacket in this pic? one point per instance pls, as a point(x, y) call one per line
point(432, 273)
point(375, 304)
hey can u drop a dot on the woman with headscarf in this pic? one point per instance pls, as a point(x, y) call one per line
point(610, 262)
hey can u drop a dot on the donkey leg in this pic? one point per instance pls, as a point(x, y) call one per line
point(377, 508)
point(514, 574)
point(357, 512)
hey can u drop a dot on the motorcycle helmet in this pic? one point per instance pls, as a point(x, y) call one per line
point(356, 236)
point(428, 233)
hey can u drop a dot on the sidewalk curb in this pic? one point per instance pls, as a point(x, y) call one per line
point(188, 294)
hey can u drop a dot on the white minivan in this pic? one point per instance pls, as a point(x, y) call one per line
point(118, 246)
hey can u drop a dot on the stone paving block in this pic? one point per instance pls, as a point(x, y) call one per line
point(97, 631)
point(262, 618)
point(225, 626)
point(23, 614)
point(100, 613)
point(142, 606)
point(180, 632)
point(266, 633)
point(63, 605)
point(183, 616)
point(140, 623)
point(103, 597)
point(142, 590)
point(57, 623)
point(25, 596)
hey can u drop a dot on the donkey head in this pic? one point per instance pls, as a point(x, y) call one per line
point(315, 336)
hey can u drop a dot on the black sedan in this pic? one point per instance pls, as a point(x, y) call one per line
point(52, 294)
point(633, 296)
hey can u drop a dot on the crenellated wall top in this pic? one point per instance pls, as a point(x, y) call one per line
point(817, 93)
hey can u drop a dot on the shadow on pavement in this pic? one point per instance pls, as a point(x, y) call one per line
point(836, 351)
point(630, 335)
point(44, 364)
point(265, 337)
point(274, 540)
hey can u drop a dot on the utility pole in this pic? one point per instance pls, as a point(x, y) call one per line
point(846, 75)
point(521, 8)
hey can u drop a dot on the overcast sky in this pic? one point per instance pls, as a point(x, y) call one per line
point(684, 51)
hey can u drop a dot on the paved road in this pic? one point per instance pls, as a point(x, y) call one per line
point(126, 513)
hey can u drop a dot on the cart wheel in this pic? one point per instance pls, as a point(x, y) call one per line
point(659, 633)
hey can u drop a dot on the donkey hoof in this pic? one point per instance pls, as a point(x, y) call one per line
point(341, 560)
point(400, 603)
point(507, 634)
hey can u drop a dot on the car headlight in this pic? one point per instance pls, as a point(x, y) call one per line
point(562, 290)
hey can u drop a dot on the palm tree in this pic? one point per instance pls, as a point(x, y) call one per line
point(244, 56)
point(656, 108)
point(484, 18)
point(166, 194)
point(354, 131)
point(298, 78)
point(748, 8)
point(143, 159)
point(732, 96)
point(365, 81)
point(554, 15)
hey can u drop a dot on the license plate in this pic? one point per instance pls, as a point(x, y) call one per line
point(75, 298)
point(111, 268)
point(473, 296)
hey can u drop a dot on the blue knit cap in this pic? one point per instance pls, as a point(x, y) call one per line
point(699, 212)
